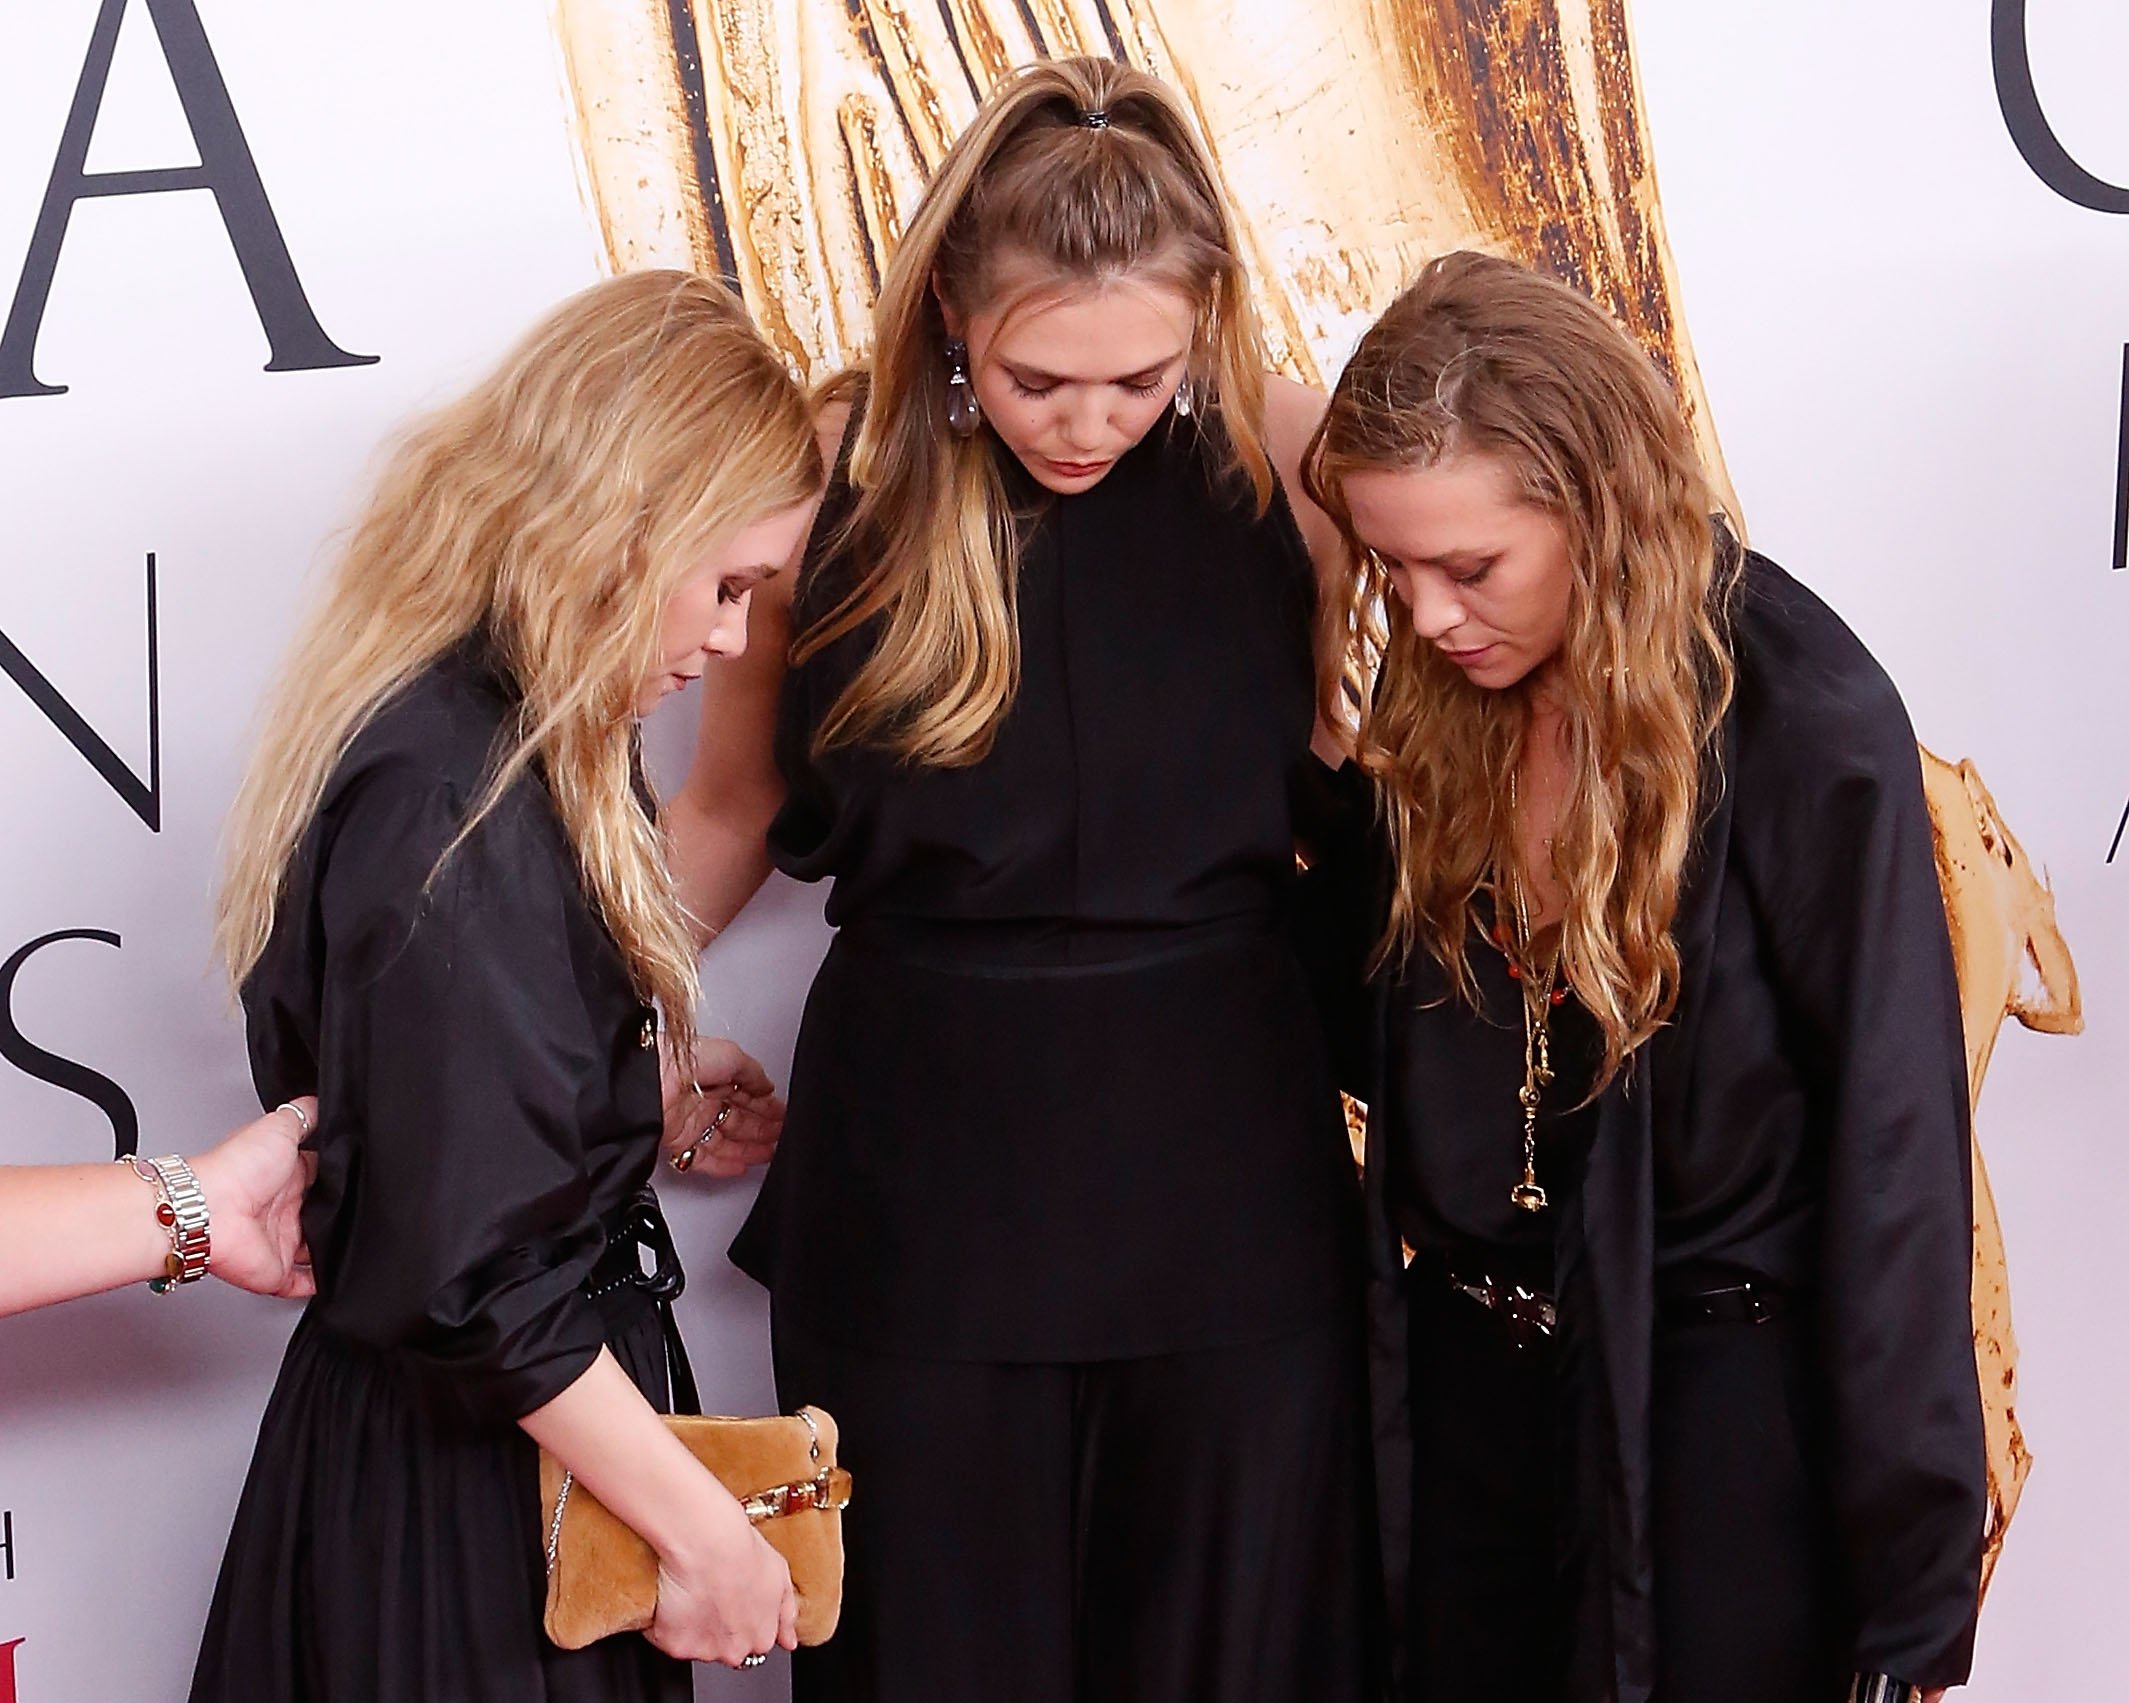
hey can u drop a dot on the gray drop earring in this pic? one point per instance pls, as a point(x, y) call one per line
point(963, 416)
point(1186, 398)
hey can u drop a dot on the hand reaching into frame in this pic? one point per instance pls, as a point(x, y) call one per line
point(723, 1118)
point(254, 1183)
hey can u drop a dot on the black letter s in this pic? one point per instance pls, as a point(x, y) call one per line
point(25, 1055)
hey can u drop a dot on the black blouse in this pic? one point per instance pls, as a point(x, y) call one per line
point(1454, 1157)
point(1059, 1093)
point(1142, 778)
point(487, 1083)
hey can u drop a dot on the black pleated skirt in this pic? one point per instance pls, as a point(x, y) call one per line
point(383, 1553)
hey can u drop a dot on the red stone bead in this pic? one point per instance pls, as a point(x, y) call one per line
point(1559, 996)
point(164, 1216)
point(1515, 971)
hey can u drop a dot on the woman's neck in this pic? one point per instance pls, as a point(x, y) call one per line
point(1543, 777)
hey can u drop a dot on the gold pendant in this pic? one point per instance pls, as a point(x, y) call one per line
point(1528, 1196)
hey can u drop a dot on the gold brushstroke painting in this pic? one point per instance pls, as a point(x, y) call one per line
point(781, 144)
point(2013, 962)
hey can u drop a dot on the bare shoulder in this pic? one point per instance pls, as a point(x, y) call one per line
point(1292, 412)
point(829, 425)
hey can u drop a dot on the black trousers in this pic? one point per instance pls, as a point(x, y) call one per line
point(1744, 1568)
point(1189, 1528)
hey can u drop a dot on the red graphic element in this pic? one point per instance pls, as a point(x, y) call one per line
point(7, 1670)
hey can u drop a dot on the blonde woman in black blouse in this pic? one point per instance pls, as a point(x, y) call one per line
point(450, 917)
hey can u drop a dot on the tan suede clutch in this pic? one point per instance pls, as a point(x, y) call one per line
point(602, 1578)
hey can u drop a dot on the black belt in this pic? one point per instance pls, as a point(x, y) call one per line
point(1530, 1315)
point(1022, 951)
point(1523, 1310)
point(637, 1230)
point(1744, 1301)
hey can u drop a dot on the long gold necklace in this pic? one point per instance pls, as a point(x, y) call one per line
point(1541, 992)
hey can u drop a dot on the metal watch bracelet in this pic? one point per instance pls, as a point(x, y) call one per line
point(181, 1209)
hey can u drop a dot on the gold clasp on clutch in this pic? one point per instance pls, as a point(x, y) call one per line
point(828, 1493)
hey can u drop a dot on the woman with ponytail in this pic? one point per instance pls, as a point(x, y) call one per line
point(1063, 1228)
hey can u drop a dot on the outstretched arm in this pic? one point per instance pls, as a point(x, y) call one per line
point(1292, 413)
point(717, 823)
point(68, 1230)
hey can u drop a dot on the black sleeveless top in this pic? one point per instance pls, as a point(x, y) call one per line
point(1060, 1092)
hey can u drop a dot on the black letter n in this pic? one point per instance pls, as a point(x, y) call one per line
point(298, 341)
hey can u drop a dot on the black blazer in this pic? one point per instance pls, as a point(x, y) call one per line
point(1804, 1115)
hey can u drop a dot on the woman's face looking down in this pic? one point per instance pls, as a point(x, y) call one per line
point(1071, 375)
point(1481, 571)
point(706, 616)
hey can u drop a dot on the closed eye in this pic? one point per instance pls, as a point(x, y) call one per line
point(1042, 384)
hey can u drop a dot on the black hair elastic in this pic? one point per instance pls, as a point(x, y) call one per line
point(1098, 119)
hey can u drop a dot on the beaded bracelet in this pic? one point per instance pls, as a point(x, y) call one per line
point(181, 1209)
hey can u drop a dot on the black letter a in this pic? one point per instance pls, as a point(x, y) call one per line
point(299, 343)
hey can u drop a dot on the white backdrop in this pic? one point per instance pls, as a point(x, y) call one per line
point(1914, 353)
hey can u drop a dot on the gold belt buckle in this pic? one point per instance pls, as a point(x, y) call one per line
point(1529, 1314)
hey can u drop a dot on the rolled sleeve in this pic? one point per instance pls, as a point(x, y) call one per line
point(456, 1064)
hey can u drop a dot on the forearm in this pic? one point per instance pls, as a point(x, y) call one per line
point(68, 1230)
point(720, 856)
point(604, 1431)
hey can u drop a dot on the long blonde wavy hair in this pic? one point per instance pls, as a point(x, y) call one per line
point(1137, 199)
point(1483, 357)
point(556, 507)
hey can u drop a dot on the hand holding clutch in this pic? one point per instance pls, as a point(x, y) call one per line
point(731, 1603)
point(602, 1578)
